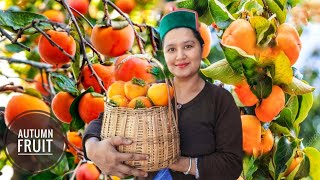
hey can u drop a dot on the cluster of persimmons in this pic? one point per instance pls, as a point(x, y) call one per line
point(257, 140)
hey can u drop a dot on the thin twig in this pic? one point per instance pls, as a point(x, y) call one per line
point(153, 42)
point(10, 87)
point(82, 16)
point(53, 43)
point(95, 51)
point(4, 33)
point(39, 65)
point(82, 46)
point(106, 17)
point(138, 38)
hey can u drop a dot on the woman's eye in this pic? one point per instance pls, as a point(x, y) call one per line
point(170, 49)
point(188, 46)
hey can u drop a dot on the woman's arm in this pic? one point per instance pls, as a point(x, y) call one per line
point(226, 162)
point(104, 154)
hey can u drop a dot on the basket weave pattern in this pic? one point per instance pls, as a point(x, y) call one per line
point(154, 131)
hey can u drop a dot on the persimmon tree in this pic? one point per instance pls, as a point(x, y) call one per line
point(72, 63)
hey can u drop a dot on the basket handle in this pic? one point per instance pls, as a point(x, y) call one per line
point(152, 59)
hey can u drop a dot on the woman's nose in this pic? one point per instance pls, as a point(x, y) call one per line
point(181, 55)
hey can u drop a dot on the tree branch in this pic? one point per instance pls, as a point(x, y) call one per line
point(10, 87)
point(32, 63)
point(13, 41)
point(138, 38)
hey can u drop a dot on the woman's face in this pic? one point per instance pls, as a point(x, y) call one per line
point(182, 52)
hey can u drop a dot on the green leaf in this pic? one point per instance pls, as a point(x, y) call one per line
point(293, 3)
point(252, 6)
point(14, 20)
point(206, 17)
point(33, 92)
point(314, 156)
point(281, 3)
point(220, 14)
point(238, 59)
point(293, 105)
point(43, 175)
point(277, 129)
point(63, 83)
point(261, 25)
point(274, 8)
point(222, 71)
point(285, 150)
point(297, 87)
point(249, 167)
point(285, 118)
point(233, 7)
point(14, 48)
point(261, 85)
point(187, 4)
point(201, 6)
point(305, 102)
point(62, 167)
point(76, 65)
point(77, 123)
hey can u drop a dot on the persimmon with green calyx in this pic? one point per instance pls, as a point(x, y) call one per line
point(140, 102)
point(134, 88)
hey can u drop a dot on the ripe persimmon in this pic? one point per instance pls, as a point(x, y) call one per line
point(134, 88)
point(75, 139)
point(140, 102)
point(206, 36)
point(80, 5)
point(271, 106)
point(41, 84)
point(116, 88)
point(112, 42)
point(87, 171)
point(51, 54)
point(245, 95)
point(90, 107)
point(133, 67)
point(126, 5)
point(54, 15)
point(118, 101)
point(256, 140)
point(158, 94)
point(61, 106)
point(288, 41)
point(21, 103)
point(241, 34)
point(106, 74)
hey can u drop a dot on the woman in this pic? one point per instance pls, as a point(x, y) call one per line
point(209, 120)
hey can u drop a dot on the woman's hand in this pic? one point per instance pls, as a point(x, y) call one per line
point(182, 165)
point(109, 160)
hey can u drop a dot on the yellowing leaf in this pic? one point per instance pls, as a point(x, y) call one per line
point(222, 71)
point(282, 69)
point(261, 25)
point(314, 157)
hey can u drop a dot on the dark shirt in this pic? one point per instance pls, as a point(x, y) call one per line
point(210, 129)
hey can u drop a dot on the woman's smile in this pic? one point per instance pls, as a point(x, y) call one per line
point(182, 65)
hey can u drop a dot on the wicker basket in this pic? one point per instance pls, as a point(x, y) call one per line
point(154, 131)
